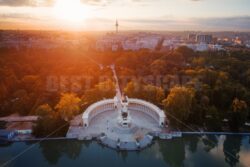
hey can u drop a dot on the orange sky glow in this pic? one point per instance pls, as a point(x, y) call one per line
point(132, 14)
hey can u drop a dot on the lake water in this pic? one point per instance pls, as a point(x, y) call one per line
point(190, 151)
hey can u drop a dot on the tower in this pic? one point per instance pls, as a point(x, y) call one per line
point(116, 26)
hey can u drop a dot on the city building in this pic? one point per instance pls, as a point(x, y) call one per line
point(204, 38)
point(141, 42)
point(109, 42)
point(191, 37)
point(247, 43)
point(171, 43)
point(237, 41)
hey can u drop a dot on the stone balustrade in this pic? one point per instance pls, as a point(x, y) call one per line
point(134, 105)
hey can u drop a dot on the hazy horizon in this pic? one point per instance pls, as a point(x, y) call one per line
point(146, 15)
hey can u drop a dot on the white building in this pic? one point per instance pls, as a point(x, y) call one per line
point(109, 42)
point(216, 47)
point(130, 44)
point(196, 47)
point(247, 43)
point(144, 42)
point(204, 38)
point(201, 47)
point(148, 42)
point(42, 43)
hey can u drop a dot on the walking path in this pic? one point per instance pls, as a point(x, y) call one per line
point(113, 143)
point(216, 133)
point(12, 118)
point(117, 86)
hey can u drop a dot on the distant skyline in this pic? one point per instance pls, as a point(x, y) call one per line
point(177, 15)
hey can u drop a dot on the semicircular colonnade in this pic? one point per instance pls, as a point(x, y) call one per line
point(134, 105)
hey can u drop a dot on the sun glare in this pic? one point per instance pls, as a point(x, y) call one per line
point(70, 10)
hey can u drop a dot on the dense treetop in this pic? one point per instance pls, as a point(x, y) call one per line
point(206, 85)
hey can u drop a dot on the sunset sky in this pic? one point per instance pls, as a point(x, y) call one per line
point(206, 15)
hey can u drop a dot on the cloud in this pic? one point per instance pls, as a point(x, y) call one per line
point(34, 3)
point(24, 17)
point(162, 23)
point(97, 2)
point(232, 23)
point(213, 24)
point(37, 3)
point(16, 3)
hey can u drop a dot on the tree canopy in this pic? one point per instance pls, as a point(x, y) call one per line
point(68, 106)
point(179, 103)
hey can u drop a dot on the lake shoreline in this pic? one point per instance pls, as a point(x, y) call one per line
point(95, 138)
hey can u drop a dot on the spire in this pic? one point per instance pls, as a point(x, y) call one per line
point(116, 26)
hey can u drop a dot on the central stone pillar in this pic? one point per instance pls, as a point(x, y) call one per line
point(124, 118)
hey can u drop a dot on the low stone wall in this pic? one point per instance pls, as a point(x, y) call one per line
point(96, 109)
point(134, 105)
point(148, 108)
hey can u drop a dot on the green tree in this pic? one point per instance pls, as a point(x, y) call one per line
point(198, 61)
point(186, 52)
point(50, 126)
point(101, 90)
point(44, 110)
point(133, 89)
point(21, 102)
point(238, 114)
point(158, 67)
point(213, 120)
point(239, 105)
point(179, 103)
point(153, 94)
point(68, 106)
point(147, 92)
